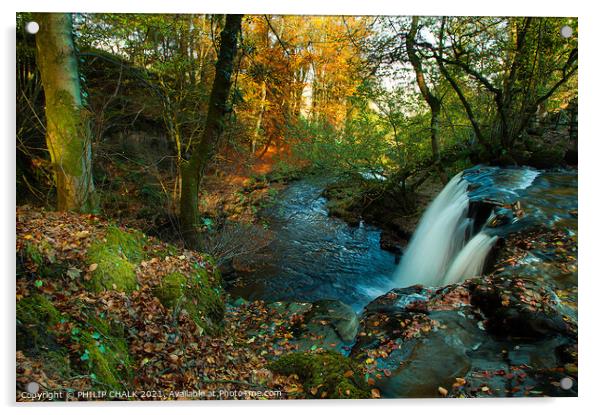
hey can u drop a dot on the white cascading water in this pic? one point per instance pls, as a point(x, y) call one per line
point(470, 260)
point(438, 253)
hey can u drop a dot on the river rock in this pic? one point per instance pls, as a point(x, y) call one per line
point(329, 324)
point(323, 324)
point(434, 359)
point(519, 307)
point(417, 339)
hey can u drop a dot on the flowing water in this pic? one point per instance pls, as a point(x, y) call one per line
point(438, 238)
point(315, 256)
point(447, 246)
point(470, 260)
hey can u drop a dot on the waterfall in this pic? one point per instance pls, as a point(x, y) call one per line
point(438, 252)
point(471, 259)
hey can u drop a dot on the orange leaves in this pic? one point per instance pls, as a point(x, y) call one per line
point(459, 382)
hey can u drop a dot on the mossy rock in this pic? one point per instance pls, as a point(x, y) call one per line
point(105, 354)
point(36, 316)
point(104, 350)
point(129, 243)
point(116, 257)
point(41, 255)
point(201, 297)
point(326, 374)
point(36, 309)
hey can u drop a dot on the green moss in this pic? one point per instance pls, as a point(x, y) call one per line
point(57, 363)
point(197, 294)
point(67, 115)
point(116, 257)
point(42, 256)
point(171, 289)
point(36, 315)
point(105, 354)
point(167, 250)
point(104, 351)
point(34, 254)
point(36, 318)
point(37, 309)
point(130, 244)
point(113, 271)
point(327, 374)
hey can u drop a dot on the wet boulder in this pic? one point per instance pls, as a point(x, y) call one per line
point(519, 307)
point(415, 339)
point(338, 316)
point(328, 324)
point(434, 358)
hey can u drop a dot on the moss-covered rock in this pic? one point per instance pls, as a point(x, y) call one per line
point(36, 318)
point(104, 354)
point(324, 375)
point(103, 349)
point(41, 259)
point(116, 258)
point(129, 243)
point(37, 309)
point(198, 294)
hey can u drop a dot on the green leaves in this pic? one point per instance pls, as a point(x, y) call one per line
point(208, 223)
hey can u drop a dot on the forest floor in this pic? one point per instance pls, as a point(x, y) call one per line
point(81, 328)
point(72, 337)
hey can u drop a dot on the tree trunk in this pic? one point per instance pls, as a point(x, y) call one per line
point(259, 118)
point(67, 127)
point(202, 150)
point(433, 102)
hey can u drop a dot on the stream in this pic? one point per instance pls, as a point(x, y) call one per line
point(314, 256)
